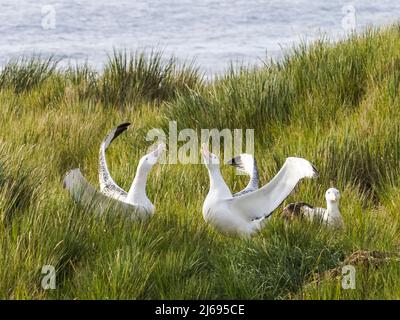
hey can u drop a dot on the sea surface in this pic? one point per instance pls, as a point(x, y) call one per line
point(213, 32)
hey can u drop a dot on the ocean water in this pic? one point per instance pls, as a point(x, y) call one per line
point(213, 32)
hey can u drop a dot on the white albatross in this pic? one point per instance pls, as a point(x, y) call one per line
point(134, 203)
point(330, 216)
point(245, 214)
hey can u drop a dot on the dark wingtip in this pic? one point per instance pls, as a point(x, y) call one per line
point(234, 161)
point(121, 128)
point(124, 125)
point(316, 173)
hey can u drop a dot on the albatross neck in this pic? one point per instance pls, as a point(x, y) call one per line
point(254, 178)
point(137, 191)
point(217, 182)
point(333, 208)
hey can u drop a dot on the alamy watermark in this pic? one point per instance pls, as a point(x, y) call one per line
point(184, 146)
point(348, 277)
point(349, 20)
point(48, 21)
point(49, 278)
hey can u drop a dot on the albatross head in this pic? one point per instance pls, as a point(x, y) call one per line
point(332, 195)
point(150, 159)
point(210, 159)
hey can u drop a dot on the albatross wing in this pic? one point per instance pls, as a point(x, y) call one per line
point(107, 184)
point(262, 202)
point(85, 194)
point(247, 164)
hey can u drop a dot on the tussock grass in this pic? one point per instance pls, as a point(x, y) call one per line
point(131, 79)
point(334, 104)
point(26, 73)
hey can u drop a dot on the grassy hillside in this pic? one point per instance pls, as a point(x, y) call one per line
point(337, 105)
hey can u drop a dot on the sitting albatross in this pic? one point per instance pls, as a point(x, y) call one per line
point(331, 215)
point(245, 214)
point(134, 202)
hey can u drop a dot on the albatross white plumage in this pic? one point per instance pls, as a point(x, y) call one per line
point(135, 201)
point(331, 215)
point(245, 214)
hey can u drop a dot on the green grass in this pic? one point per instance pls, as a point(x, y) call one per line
point(337, 105)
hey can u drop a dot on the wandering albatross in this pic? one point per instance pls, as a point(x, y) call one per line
point(330, 216)
point(134, 203)
point(245, 214)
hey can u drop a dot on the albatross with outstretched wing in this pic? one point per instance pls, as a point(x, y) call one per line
point(245, 214)
point(135, 201)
